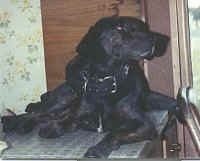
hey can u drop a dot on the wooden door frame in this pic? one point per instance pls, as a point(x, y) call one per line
point(183, 73)
point(186, 80)
point(180, 59)
point(155, 11)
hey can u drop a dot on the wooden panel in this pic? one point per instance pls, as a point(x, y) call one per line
point(160, 70)
point(64, 23)
point(130, 8)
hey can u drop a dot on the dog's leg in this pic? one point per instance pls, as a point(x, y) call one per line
point(51, 129)
point(133, 126)
point(118, 137)
point(158, 101)
point(103, 148)
point(57, 126)
point(23, 123)
point(145, 132)
point(55, 100)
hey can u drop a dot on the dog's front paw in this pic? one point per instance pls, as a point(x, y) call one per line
point(9, 123)
point(96, 152)
point(51, 129)
point(19, 124)
point(101, 150)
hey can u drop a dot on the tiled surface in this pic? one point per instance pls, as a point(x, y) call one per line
point(131, 151)
point(72, 145)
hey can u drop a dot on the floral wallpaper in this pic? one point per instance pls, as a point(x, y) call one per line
point(22, 69)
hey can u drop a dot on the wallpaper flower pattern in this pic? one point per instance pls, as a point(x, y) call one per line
point(22, 68)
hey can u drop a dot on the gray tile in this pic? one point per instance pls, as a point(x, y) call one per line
point(72, 145)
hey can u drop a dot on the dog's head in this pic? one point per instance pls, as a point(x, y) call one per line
point(122, 38)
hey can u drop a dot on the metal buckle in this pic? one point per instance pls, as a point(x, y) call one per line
point(114, 82)
point(114, 85)
point(100, 128)
point(85, 82)
point(126, 69)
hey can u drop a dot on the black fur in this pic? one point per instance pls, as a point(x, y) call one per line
point(103, 80)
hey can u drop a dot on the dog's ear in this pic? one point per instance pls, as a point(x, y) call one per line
point(90, 46)
point(161, 43)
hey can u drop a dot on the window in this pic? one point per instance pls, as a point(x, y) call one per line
point(194, 28)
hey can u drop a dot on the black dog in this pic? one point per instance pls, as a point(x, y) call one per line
point(105, 88)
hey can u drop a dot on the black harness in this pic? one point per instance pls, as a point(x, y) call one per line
point(110, 82)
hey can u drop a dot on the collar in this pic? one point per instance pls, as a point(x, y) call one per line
point(119, 75)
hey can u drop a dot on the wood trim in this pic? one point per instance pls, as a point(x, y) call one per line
point(176, 66)
point(43, 7)
point(144, 17)
point(160, 71)
point(143, 10)
point(175, 45)
point(184, 43)
point(182, 67)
